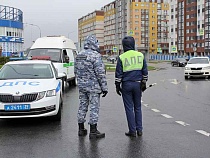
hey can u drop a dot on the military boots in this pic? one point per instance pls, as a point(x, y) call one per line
point(82, 130)
point(94, 133)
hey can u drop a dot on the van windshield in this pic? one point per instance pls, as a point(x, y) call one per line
point(53, 54)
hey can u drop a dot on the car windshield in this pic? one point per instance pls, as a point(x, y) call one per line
point(54, 54)
point(26, 71)
point(198, 61)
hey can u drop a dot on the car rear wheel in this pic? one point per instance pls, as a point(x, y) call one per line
point(172, 64)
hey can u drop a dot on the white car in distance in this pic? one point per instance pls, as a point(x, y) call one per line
point(197, 67)
point(30, 88)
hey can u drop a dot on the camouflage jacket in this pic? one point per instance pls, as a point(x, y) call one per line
point(90, 72)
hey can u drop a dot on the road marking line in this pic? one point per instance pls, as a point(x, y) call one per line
point(203, 132)
point(182, 123)
point(175, 81)
point(146, 105)
point(155, 110)
point(166, 116)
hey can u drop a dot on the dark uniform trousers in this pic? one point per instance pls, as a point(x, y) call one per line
point(131, 94)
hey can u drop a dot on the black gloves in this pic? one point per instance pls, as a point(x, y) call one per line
point(118, 88)
point(143, 85)
point(104, 93)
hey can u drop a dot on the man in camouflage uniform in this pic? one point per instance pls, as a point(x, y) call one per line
point(90, 73)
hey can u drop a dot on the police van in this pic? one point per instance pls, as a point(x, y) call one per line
point(60, 50)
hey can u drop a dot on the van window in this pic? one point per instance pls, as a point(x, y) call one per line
point(65, 57)
point(54, 54)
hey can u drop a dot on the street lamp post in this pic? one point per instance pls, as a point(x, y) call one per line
point(40, 33)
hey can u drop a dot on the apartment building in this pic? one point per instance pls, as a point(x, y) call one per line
point(189, 25)
point(172, 26)
point(91, 24)
point(109, 27)
point(149, 24)
point(145, 20)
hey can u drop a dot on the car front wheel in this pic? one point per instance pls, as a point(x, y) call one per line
point(186, 77)
point(57, 117)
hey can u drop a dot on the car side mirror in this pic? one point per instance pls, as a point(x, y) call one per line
point(61, 76)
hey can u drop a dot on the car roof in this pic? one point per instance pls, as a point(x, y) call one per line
point(29, 62)
point(200, 57)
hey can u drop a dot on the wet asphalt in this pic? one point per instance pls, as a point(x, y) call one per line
point(176, 114)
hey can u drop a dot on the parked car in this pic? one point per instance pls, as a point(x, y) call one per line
point(30, 88)
point(112, 58)
point(197, 67)
point(180, 62)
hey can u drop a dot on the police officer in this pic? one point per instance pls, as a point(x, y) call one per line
point(90, 73)
point(131, 73)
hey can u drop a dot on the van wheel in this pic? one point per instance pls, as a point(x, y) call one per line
point(186, 77)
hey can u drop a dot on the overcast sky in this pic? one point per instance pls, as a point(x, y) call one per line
point(54, 17)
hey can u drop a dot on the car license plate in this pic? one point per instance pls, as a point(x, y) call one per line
point(196, 71)
point(17, 107)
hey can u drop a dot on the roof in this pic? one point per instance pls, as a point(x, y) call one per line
point(30, 62)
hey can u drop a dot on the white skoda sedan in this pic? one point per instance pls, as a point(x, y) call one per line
point(197, 67)
point(30, 88)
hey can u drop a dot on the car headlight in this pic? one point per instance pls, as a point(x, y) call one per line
point(206, 68)
point(51, 93)
point(187, 68)
point(40, 95)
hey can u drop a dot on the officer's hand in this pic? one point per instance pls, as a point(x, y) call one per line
point(118, 89)
point(143, 85)
point(104, 93)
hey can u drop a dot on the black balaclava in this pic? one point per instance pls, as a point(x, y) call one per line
point(128, 43)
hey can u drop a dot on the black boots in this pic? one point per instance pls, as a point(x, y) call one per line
point(82, 130)
point(94, 133)
point(129, 134)
point(139, 133)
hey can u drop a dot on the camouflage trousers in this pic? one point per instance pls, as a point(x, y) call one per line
point(91, 100)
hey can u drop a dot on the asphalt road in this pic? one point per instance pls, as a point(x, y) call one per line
point(176, 116)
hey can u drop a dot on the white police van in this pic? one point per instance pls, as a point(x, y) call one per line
point(60, 50)
point(30, 88)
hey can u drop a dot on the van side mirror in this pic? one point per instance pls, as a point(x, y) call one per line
point(66, 59)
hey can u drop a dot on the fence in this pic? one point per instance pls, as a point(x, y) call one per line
point(166, 57)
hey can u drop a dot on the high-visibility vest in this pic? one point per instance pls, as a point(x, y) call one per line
point(132, 60)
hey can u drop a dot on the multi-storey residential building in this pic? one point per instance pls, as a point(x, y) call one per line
point(191, 28)
point(207, 26)
point(93, 23)
point(149, 24)
point(109, 27)
point(172, 25)
point(145, 20)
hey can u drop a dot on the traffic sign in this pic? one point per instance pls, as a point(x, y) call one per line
point(201, 32)
point(159, 50)
point(173, 49)
point(115, 49)
point(130, 32)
